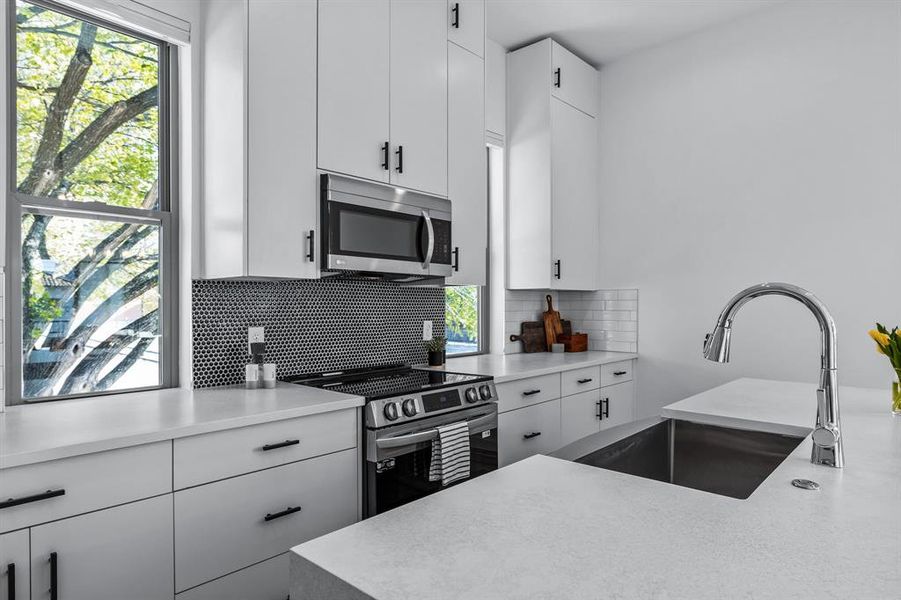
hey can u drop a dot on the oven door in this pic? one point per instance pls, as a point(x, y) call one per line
point(374, 229)
point(398, 458)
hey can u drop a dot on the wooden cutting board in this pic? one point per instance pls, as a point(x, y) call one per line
point(552, 325)
point(532, 337)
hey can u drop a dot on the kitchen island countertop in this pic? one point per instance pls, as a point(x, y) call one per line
point(548, 528)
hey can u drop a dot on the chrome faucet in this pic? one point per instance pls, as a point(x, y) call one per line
point(827, 437)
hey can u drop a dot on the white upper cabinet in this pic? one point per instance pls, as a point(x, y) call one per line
point(495, 91)
point(354, 87)
point(576, 214)
point(260, 195)
point(466, 25)
point(573, 80)
point(418, 95)
point(467, 166)
point(553, 206)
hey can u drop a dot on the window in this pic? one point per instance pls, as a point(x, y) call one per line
point(92, 233)
point(463, 319)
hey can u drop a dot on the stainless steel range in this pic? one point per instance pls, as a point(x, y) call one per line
point(404, 407)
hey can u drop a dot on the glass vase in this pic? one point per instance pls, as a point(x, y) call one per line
point(896, 398)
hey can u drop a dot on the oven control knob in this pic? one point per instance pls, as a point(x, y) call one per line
point(485, 392)
point(472, 395)
point(391, 411)
point(409, 407)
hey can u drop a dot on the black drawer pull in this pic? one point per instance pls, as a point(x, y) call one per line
point(531, 392)
point(284, 444)
point(54, 568)
point(26, 499)
point(606, 408)
point(589, 380)
point(600, 414)
point(288, 511)
point(529, 436)
point(618, 373)
point(11, 581)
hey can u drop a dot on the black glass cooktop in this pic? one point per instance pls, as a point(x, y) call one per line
point(384, 382)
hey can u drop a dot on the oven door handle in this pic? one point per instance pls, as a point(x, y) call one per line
point(430, 247)
point(429, 435)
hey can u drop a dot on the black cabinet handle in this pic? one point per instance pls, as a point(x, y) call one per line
point(311, 253)
point(617, 373)
point(26, 499)
point(400, 159)
point(531, 392)
point(456, 254)
point(385, 156)
point(529, 436)
point(606, 408)
point(557, 77)
point(288, 511)
point(589, 380)
point(54, 581)
point(11, 581)
point(278, 445)
point(600, 414)
point(455, 22)
point(557, 269)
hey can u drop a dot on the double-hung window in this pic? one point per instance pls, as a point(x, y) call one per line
point(91, 227)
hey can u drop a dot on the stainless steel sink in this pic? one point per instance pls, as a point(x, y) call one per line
point(720, 460)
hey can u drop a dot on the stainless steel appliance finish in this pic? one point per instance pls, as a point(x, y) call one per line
point(404, 408)
point(373, 228)
point(721, 460)
point(827, 437)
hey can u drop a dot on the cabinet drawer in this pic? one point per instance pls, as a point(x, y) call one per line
point(581, 380)
point(268, 580)
point(525, 392)
point(221, 527)
point(617, 404)
point(14, 566)
point(517, 431)
point(213, 456)
point(70, 486)
point(617, 372)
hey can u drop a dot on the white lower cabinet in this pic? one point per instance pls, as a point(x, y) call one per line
point(527, 431)
point(225, 526)
point(268, 580)
point(580, 416)
point(14, 566)
point(112, 554)
point(617, 405)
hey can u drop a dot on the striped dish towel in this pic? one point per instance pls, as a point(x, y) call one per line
point(450, 454)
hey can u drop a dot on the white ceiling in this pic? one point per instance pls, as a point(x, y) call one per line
point(602, 30)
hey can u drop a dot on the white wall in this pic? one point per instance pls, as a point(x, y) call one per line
point(768, 148)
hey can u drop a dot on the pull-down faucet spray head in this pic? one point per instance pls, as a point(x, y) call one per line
point(717, 344)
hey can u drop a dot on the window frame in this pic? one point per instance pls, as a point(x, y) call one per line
point(165, 216)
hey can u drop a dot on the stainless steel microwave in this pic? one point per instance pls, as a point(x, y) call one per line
point(372, 228)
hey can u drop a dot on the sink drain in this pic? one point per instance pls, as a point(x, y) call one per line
point(805, 484)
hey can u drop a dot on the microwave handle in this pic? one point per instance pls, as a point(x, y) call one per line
point(430, 248)
point(431, 434)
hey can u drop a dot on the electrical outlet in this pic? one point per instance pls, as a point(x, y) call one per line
point(255, 334)
point(426, 330)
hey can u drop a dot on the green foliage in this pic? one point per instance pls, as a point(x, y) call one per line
point(462, 312)
point(436, 344)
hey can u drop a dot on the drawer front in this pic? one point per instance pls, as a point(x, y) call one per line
point(617, 404)
point(526, 392)
point(579, 416)
point(581, 380)
point(617, 372)
point(268, 580)
point(213, 456)
point(70, 486)
point(221, 527)
point(14, 566)
point(517, 432)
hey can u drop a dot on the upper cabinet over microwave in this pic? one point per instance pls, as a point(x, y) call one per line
point(382, 88)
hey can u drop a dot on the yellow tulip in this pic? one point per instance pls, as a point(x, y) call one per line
point(882, 340)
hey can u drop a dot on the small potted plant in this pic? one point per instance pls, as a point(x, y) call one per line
point(889, 344)
point(435, 347)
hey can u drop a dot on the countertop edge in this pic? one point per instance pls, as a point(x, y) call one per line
point(537, 371)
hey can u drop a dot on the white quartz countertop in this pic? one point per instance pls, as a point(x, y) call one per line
point(51, 430)
point(509, 367)
point(549, 528)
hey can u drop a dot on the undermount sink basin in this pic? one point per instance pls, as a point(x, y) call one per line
point(720, 460)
